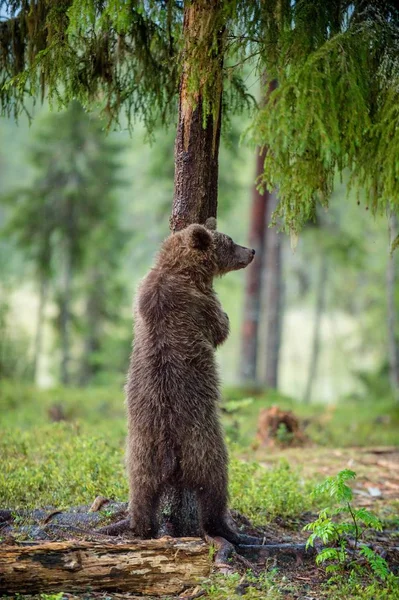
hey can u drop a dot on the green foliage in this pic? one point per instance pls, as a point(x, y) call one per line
point(121, 52)
point(335, 105)
point(101, 409)
point(67, 223)
point(340, 524)
point(234, 586)
point(76, 172)
point(355, 588)
point(59, 465)
point(268, 492)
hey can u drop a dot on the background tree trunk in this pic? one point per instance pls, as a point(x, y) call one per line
point(65, 315)
point(252, 303)
point(39, 326)
point(393, 349)
point(196, 171)
point(258, 232)
point(319, 310)
point(197, 142)
point(94, 318)
point(272, 298)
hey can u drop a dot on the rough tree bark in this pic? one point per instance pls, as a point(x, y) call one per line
point(319, 310)
point(196, 167)
point(253, 287)
point(198, 137)
point(393, 347)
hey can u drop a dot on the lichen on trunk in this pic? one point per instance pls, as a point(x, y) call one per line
point(199, 119)
point(196, 167)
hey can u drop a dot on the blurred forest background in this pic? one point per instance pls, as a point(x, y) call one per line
point(69, 268)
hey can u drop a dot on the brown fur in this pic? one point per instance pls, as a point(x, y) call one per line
point(175, 438)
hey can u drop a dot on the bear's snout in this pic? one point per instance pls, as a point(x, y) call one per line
point(245, 256)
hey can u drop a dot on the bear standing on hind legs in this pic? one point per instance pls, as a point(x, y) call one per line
point(175, 438)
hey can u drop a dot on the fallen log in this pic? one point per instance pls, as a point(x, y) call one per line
point(148, 567)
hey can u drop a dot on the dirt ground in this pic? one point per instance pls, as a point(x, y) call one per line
point(377, 468)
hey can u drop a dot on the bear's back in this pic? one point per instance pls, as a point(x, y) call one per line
point(173, 362)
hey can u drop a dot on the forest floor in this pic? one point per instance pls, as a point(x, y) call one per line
point(56, 465)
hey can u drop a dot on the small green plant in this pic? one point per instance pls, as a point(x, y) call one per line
point(343, 526)
point(250, 586)
point(283, 435)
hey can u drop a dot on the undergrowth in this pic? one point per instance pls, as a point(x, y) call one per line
point(65, 464)
point(59, 465)
point(263, 494)
point(342, 527)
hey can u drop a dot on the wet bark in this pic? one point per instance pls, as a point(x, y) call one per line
point(198, 137)
point(316, 343)
point(273, 298)
point(393, 346)
point(253, 287)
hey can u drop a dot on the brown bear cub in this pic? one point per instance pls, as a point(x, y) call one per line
point(174, 435)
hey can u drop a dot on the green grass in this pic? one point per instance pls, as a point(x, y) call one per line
point(268, 493)
point(59, 465)
point(64, 464)
point(359, 590)
point(273, 585)
point(236, 586)
point(71, 462)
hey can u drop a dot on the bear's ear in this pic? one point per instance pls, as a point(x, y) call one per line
point(211, 224)
point(199, 237)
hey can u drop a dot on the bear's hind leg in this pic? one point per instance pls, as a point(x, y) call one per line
point(213, 506)
point(143, 509)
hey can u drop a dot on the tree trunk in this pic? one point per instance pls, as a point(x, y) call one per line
point(39, 326)
point(393, 349)
point(198, 135)
point(152, 567)
point(65, 315)
point(272, 298)
point(319, 310)
point(92, 343)
point(253, 288)
point(258, 233)
point(196, 166)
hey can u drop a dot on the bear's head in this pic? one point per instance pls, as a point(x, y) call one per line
point(204, 252)
point(227, 255)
